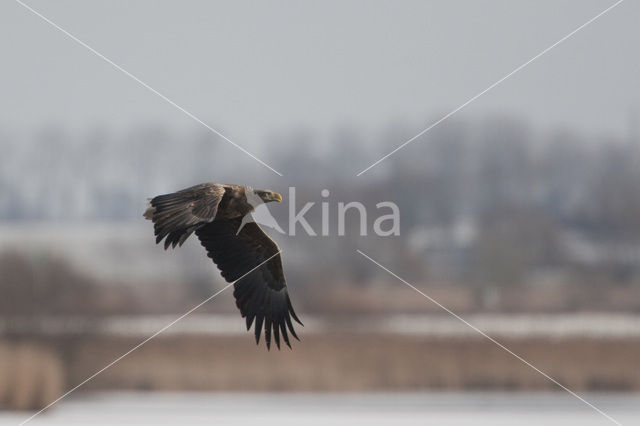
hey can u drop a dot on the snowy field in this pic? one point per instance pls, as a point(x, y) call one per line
point(321, 409)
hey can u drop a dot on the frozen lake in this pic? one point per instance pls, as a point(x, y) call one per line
point(321, 409)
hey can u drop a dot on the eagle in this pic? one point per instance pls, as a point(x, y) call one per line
point(244, 254)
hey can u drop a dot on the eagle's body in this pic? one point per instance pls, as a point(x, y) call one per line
point(249, 258)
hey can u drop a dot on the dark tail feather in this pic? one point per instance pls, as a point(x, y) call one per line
point(172, 218)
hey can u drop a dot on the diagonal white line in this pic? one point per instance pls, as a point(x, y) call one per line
point(142, 83)
point(163, 329)
point(492, 86)
point(449, 311)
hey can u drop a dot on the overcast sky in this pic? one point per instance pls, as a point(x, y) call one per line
point(251, 68)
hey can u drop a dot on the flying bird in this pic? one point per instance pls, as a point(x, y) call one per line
point(245, 255)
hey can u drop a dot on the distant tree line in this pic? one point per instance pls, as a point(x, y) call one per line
point(487, 204)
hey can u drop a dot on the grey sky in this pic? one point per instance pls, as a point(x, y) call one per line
point(251, 68)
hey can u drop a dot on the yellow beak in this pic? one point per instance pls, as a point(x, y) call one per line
point(277, 197)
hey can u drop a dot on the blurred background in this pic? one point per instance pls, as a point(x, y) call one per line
point(521, 213)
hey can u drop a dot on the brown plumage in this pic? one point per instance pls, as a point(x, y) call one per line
point(214, 212)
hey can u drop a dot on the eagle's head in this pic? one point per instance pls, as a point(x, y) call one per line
point(268, 196)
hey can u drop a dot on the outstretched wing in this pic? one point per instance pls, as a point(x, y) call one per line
point(253, 259)
point(175, 216)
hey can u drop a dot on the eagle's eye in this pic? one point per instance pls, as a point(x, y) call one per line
point(276, 197)
point(268, 196)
